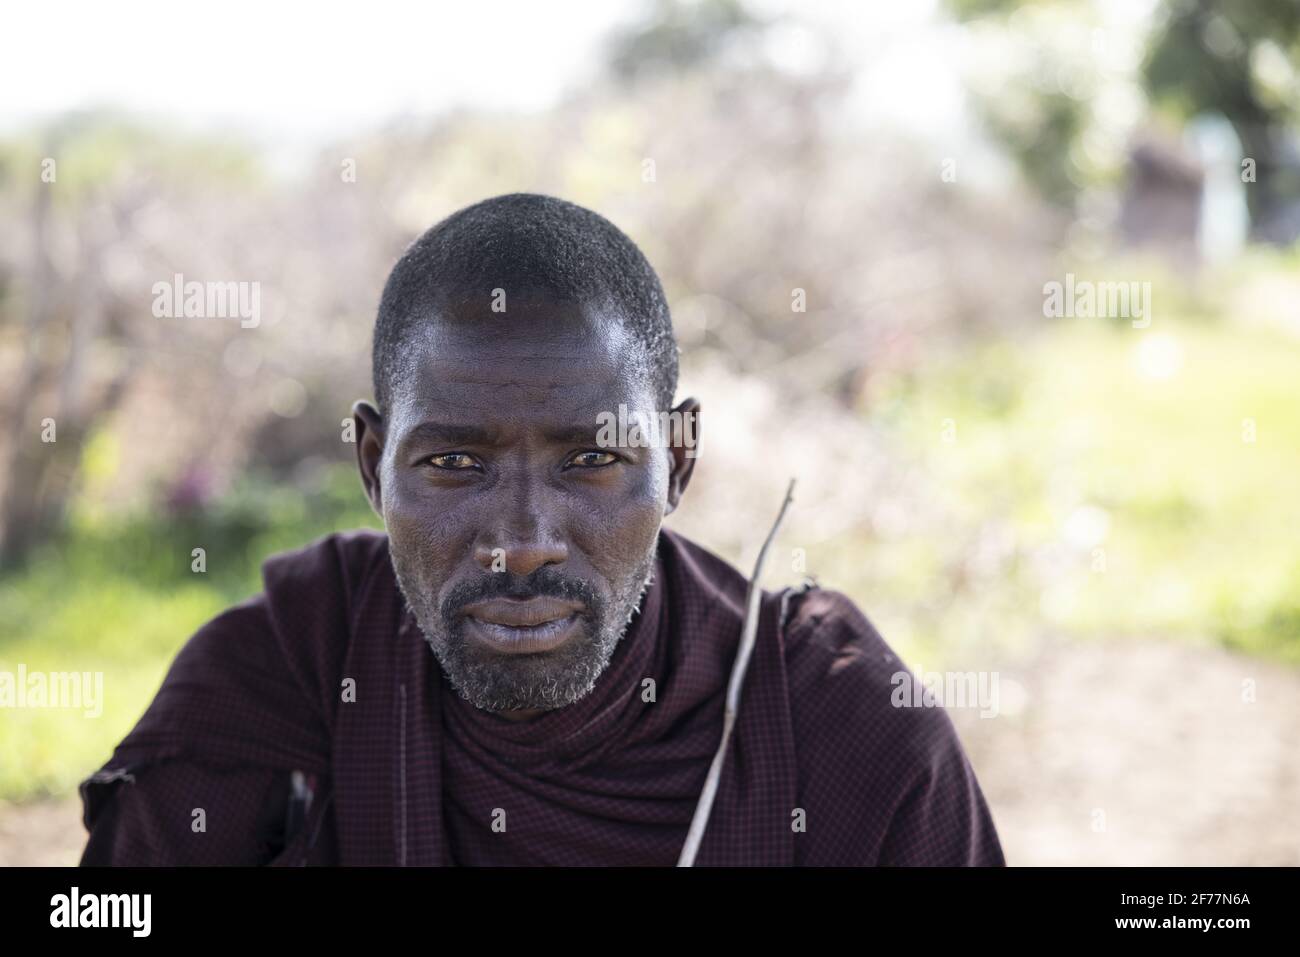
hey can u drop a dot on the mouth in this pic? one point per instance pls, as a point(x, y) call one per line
point(523, 627)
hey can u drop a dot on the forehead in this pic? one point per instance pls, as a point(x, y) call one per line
point(540, 361)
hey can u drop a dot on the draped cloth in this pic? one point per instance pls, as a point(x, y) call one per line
point(318, 702)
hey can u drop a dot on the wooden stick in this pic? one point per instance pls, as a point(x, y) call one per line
point(747, 634)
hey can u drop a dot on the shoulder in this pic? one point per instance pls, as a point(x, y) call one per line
point(320, 586)
point(314, 597)
point(865, 752)
point(708, 591)
point(255, 687)
point(842, 671)
point(309, 597)
point(336, 566)
point(270, 662)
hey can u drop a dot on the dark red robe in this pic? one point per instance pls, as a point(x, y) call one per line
point(822, 769)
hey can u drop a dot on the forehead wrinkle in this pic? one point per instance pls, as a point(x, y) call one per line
point(562, 397)
point(544, 371)
point(444, 374)
point(455, 363)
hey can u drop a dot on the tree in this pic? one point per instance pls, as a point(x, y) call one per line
point(1239, 60)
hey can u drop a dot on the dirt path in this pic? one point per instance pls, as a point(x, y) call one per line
point(1142, 753)
point(41, 833)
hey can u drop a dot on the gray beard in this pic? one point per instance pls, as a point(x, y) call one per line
point(496, 682)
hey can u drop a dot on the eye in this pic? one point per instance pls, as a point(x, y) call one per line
point(593, 459)
point(453, 461)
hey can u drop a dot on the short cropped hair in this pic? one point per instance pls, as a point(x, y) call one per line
point(528, 245)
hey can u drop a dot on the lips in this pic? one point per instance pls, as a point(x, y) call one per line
point(523, 626)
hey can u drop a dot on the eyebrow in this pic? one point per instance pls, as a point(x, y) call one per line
point(446, 432)
point(573, 434)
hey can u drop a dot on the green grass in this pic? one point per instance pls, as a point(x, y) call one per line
point(118, 596)
point(1199, 531)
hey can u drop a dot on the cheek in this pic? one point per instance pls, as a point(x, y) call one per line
point(616, 533)
point(418, 530)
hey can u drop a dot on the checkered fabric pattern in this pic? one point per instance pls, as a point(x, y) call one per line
point(325, 672)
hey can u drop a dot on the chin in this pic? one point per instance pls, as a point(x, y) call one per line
point(504, 682)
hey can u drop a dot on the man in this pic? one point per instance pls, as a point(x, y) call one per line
point(528, 668)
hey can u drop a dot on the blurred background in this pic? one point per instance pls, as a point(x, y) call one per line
point(1103, 512)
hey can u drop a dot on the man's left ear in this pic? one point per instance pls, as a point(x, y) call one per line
point(683, 448)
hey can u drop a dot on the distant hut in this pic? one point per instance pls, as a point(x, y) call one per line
point(1161, 208)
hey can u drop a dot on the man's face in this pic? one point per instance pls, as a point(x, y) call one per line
point(521, 545)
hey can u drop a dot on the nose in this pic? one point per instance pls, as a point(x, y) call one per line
point(521, 540)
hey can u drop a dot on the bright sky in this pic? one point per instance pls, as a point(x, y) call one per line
point(303, 71)
point(305, 66)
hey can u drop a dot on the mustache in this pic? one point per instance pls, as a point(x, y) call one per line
point(544, 581)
